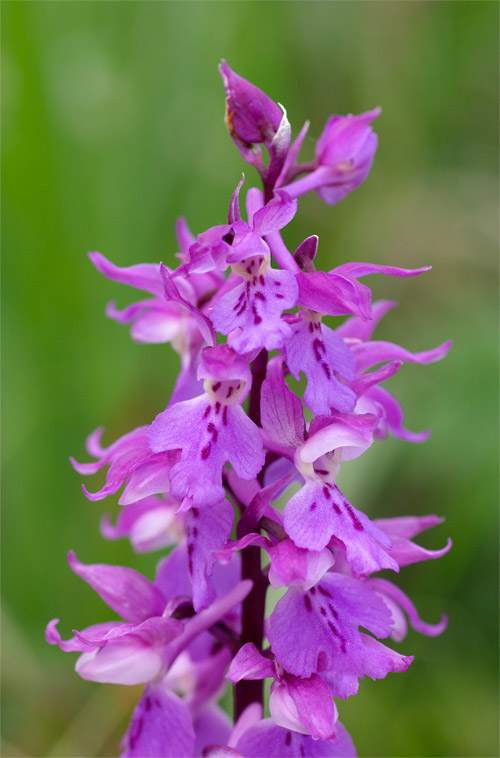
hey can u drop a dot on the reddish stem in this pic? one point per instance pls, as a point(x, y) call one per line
point(250, 691)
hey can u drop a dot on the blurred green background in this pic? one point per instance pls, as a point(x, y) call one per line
point(112, 127)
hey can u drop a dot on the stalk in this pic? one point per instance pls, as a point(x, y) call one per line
point(248, 691)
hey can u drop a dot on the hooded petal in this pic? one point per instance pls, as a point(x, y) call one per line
point(304, 705)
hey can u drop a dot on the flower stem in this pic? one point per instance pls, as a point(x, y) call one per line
point(252, 630)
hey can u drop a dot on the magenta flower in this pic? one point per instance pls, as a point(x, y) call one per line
point(210, 479)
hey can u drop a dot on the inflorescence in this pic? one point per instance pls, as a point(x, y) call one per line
point(239, 434)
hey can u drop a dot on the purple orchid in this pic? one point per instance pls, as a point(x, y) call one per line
point(210, 479)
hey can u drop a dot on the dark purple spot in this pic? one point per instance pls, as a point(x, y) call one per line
point(319, 348)
point(313, 590)
point(307, 601)
point(355, 520)
point(279, 297)
point(302, 751)
point(326, 493)
point(260, 296)
point(206, 451)
point(256, 318)
point(207, 411)
point(262, 280)
point(336, 508)
point(242, 309)
point(229, 237)
point(317, 326)
point(190, 559)
point(217, 408)
point(216, 386)
point(277, 283)
point(324, 592)
point(311, 326)
point(147, 703)
point(333, 611)
point(288, 738)
point(326, 369)
point(230, 391)
point(195, 531)
point(322, 611)
point(211, 428)
point(249, 269)
point(135, 732)
point(194, 511)
point(333, 628)
point(321, 471)
point(224, 416)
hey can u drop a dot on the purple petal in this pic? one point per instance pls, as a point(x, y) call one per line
point(333, 294)
point(373, 659)
point(306, 253)
point(278, 151)
point(260, 504)
point(78, 643)
point(320, 353)
point(359, 329)
point(172, 577)
point(184, 237)
point(251, 115)
point(353, 438)
point(212, 726)
point(161, 725)
point(275, 215)
point(344, 138)
point(392, 420)
point(207, 530)
point(126, 591)
point(367, 381)
point(249, 718)
point(319, 511)
point(319, 639)
point(209, 436)
point(268, 739)
point(203, 322)
point(403, 550)
point(281, 410)
point(293, 566)
point(248, 663)
point(222, 363)
point(368, 354)
point(292, 155)
point(304, 705)
point(149, 477)
point(143, 276)
point(255, 306)
point(365, 269)
point(408, 526)
point(150, 524)
point(234, 213)
point(384, 587)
